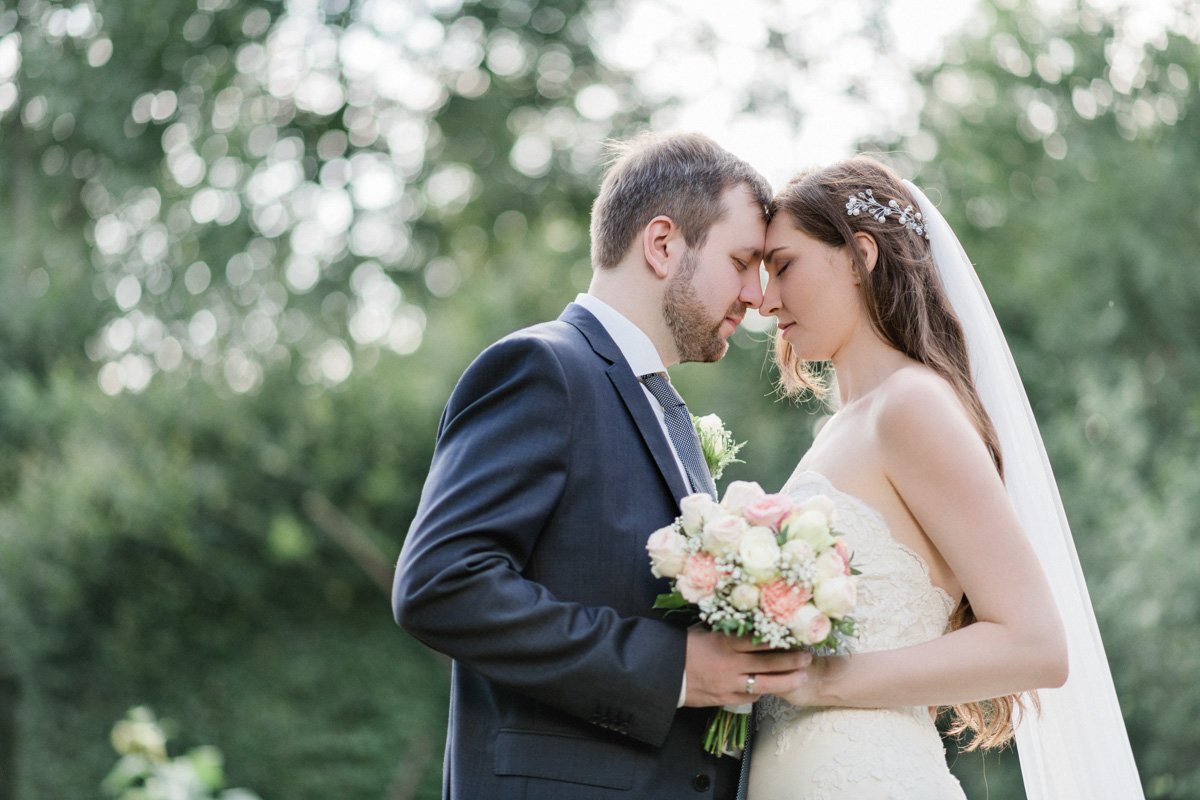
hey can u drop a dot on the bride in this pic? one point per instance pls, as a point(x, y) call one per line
point(953, 517)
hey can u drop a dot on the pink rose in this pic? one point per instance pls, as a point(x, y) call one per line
point(843, 550)
point(698, 581)
point(781, 600)
point(769, 510)
point(810, 626)
point(667, 548)
point(837, 596)
point(830, 564)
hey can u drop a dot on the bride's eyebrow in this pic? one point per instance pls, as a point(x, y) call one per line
point(771, 254)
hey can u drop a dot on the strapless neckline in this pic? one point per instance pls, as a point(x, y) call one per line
point(802, 475)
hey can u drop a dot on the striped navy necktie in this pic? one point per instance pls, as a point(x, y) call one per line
point(683, 433)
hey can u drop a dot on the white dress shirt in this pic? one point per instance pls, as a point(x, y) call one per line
point(643, 359)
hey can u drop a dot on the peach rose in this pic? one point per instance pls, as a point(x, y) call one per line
point(781, 600)
point(698, 580)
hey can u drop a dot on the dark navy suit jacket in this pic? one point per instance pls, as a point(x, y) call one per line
point(527, 564)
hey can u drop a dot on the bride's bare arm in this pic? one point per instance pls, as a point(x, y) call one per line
point(941, 469)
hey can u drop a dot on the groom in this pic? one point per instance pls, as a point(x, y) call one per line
point(555, 461)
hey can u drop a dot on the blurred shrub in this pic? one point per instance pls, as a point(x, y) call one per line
point(144, 771)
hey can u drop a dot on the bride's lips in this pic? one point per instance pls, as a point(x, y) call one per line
point(785, 328)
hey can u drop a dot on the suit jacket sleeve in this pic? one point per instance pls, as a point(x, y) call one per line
point(501, 466)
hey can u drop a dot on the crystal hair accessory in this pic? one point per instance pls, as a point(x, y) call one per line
point(907, 216)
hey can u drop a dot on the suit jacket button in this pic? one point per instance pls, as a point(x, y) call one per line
point(701, 782)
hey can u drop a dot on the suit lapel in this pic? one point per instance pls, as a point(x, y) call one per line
point(632, 394)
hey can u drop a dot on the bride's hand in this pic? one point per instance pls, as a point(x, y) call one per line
point(815, 691)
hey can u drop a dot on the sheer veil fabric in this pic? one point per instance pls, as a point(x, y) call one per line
point(1077, 748)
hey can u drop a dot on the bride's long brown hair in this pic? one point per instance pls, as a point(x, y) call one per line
point(907, 306)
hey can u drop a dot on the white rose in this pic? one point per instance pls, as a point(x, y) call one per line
point(723, 534)
point(712, 432)
point(744, 596)
point(822, 503)
point(812, 526)
point(797, 551)
point(667, 549)
point(760, 554)
point(739, 493)
point(830, 564)
point(709, 423)
point(809, 625)
point(696, 510)
point(837, 596)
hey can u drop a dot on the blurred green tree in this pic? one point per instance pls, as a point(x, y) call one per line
point(253, 244)
point(208, 201)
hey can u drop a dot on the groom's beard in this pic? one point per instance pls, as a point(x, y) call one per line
point(696, 336)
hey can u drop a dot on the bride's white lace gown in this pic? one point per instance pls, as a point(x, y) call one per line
point(854, 753)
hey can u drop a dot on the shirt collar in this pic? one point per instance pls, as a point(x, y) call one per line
point(631, 340)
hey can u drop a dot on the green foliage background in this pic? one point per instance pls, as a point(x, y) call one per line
point(194, 516)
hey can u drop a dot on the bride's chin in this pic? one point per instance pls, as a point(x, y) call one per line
point(810, 353)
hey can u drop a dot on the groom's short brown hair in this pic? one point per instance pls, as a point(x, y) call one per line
point(679, 175)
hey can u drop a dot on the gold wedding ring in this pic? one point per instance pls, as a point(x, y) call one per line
point(749, 684)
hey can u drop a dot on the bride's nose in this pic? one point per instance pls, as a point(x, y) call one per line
point(770, 302)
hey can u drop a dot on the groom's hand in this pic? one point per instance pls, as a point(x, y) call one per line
point(717, 667)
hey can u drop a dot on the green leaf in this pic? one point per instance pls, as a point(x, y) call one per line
point(674, 600)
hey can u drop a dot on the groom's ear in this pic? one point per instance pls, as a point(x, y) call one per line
point(660, 240)
point(866, 245)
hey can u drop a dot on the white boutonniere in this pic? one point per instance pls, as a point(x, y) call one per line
point(716, 443)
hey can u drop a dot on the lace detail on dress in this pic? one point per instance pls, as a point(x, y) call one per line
point(892, 753)
point(898, 604)
point(842, 753)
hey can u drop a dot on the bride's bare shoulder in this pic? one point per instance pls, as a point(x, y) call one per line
point(918, 408)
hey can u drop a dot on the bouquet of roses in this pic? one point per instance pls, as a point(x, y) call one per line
point(759, 565)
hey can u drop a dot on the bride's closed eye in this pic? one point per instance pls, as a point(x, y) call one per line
point(783, 265)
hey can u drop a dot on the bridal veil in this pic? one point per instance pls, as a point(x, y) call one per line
point(1077, 747)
